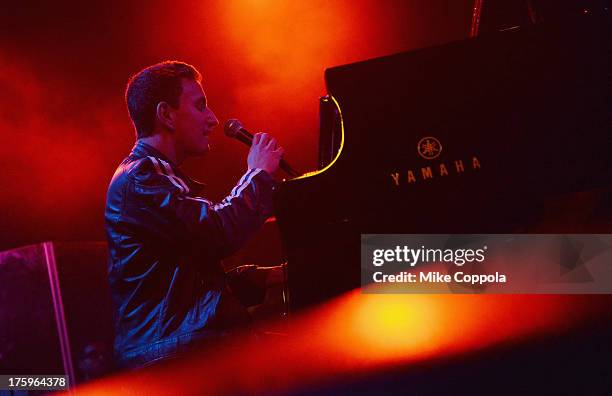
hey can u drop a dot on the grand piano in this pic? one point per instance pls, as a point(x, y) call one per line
point(504, 133)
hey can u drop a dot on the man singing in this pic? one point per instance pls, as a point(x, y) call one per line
point(165, 240)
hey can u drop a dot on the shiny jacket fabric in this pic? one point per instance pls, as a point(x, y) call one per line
point(165, 247)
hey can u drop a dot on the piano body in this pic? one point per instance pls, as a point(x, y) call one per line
point(506, 133)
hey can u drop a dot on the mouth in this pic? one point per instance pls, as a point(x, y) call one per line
point(209, 129)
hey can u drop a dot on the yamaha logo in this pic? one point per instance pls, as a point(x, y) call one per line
point(429, 147)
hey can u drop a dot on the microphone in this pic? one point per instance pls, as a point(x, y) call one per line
point(234, 129)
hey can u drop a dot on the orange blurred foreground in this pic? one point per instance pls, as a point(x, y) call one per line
point(356, 334)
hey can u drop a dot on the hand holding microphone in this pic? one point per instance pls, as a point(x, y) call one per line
point(265, 152)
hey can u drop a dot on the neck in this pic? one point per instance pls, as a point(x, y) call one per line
point(166, 145)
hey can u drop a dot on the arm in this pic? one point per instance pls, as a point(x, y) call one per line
point(196, 222)
point(164, 205)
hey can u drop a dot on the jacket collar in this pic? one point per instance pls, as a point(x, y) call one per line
point(141, 150)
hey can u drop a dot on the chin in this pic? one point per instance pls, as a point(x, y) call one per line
point(199, 149)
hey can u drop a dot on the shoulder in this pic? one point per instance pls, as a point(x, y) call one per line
point(152, 172)
point(139, 168)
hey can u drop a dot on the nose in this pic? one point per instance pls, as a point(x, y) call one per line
point(212, 119)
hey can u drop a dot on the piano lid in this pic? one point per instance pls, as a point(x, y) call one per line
point(503, 116)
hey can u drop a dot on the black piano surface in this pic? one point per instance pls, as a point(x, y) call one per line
point(523, 119)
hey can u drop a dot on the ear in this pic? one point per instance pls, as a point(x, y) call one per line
point(165, 115)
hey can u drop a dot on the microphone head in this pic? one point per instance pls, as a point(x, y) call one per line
point(232, 128)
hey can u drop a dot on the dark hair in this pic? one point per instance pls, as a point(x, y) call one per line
point(161, 82)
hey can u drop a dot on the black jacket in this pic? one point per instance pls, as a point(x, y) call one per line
point(165, 244)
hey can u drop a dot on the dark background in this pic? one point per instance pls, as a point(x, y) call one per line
point(64, 66)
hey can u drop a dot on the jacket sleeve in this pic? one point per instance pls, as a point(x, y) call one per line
point(165, 202)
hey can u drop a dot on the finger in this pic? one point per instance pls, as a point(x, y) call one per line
point(264, 139)
point(272, 143)
point(256, 138)
point(280, 151)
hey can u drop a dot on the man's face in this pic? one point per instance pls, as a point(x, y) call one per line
point(193, 120)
